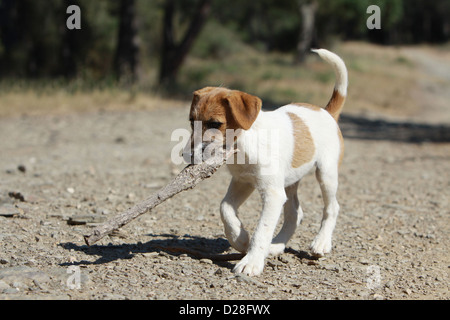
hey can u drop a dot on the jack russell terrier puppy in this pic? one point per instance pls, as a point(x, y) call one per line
point(278, 149)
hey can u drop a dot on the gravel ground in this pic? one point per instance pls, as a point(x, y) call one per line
point(63, 174)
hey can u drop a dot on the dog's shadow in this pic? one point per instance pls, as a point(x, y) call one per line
point(170, 245)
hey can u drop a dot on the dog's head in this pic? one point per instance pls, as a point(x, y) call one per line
point(217, 117)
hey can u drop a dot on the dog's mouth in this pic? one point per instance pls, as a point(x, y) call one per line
point(207, 151)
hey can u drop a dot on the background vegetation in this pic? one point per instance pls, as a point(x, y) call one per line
point(175, 46)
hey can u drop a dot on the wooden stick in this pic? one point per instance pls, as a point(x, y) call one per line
point(188, 178)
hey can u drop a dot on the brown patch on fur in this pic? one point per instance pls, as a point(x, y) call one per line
point(303, 143)
point(307, 105)
point(334, 106)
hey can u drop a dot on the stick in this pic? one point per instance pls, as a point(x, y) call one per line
point(188, 178)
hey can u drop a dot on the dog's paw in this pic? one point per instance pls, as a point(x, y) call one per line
point(251, 265)
point(241, 244)
point(276, 249)
point(321, 245)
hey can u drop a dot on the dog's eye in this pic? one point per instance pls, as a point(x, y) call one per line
point(214, 124)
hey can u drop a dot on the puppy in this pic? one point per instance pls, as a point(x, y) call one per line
point(276, 150)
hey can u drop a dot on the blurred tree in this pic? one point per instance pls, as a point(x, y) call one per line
point(173, 54)
point(126, 61)
point(308, 9)
point(35, 42)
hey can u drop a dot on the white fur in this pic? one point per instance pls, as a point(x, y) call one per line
point(272, 175)
point(339, 68)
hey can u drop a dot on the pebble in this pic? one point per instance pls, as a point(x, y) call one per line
point(206, 261)
point(11, 291)
point(85, 219)
point(250, 280)
point(150, 254)
point(364, 261)
point(332, 267)
point(19, 285)
point(3, 285)
point(9, 211)
point(377, 296)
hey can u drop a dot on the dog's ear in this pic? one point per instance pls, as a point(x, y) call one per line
point(243, 108)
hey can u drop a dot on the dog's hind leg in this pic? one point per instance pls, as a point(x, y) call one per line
point(237, 193)
point(293, 215)
point(328, 180)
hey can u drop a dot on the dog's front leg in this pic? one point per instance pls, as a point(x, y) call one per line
point(253, 262)
point(237, 193)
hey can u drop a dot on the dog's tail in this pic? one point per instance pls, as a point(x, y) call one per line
point(336, 103)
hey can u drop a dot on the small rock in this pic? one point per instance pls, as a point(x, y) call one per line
point(364, 261)
point(119, 140)
point(4, 261)
point(16, 195)
point(150, 254)
point(243, 278)
point(85, 219)
point(3, 285)
point(71, 190)
point(273, 263)
point(9, 211)
point(10, 290)
point(206, 261)
point(270, 290)
point(332, 267)
point(20, 285)
point(377, 296)
point(312, 262)
point(283, 259)
point(186, 272)
point(21, 168)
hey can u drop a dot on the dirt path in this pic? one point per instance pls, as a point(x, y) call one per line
point(62, 174)
point(434, 93)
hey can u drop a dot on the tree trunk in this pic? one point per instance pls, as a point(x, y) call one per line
point(126, 61)
point(173, 55)
point(9, 34)
point(308, 13)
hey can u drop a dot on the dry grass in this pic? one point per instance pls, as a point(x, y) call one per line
point(382, 80)
point(59, 101)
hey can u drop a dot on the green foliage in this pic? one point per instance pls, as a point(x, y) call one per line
point(34, 42)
